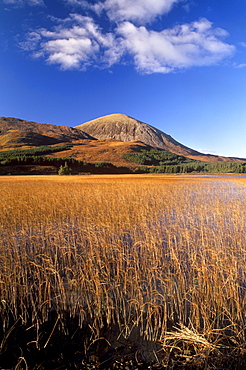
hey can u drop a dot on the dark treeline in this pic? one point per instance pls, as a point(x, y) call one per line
point(21, 155)
point(220, 167)
point(156, 157)
point(38, 160)
point(149, 161)
point(75, 166)
point(37, 157)
point(162, 161)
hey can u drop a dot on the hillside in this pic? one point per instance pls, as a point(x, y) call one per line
point(110, 144)
point(125, 128)
point(106, 150)
point(16, 133)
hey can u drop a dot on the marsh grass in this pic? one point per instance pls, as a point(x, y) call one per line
point(149, 267)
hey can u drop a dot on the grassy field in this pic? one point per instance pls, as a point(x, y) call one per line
point(148, 269)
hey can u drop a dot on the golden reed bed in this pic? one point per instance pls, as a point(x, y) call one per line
point(152, 264)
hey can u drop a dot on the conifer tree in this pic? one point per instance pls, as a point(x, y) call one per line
point(64, 170)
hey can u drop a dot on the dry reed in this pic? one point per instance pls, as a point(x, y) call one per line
point(158, 262)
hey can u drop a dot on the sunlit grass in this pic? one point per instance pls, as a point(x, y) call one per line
point(159, 259)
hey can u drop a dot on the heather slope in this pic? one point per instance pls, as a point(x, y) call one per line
point(105, 150)
point(16, 132)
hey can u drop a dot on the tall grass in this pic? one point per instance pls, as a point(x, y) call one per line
point(156, 265)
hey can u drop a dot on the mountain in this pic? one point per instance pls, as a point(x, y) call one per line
point(106, 139)
point(16, 133)
point(125, 128)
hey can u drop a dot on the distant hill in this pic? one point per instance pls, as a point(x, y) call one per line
point(112, 144)
point(125, 128)
point(16, 133)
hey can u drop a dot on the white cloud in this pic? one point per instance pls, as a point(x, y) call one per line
point(32, 41)
point(242, 65)
point(141, 11)
point(23, 2)
point(207, 151)
point(75, 43)
point(184, 46)
point(78, 42)
point(70, 53)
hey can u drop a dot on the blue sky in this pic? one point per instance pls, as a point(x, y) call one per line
point(179, 65)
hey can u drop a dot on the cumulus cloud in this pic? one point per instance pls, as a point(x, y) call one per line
point(141, 11)
point(184, 46)
point(75, 43)
point(78, 42)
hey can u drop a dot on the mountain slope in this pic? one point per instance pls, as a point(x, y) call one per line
point(107, 150)
point(103, 139)
point(125, 128)
point(16, 133)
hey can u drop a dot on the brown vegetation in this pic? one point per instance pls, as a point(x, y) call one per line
point(97, 268)
point(16, 133)
point(107, 150)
